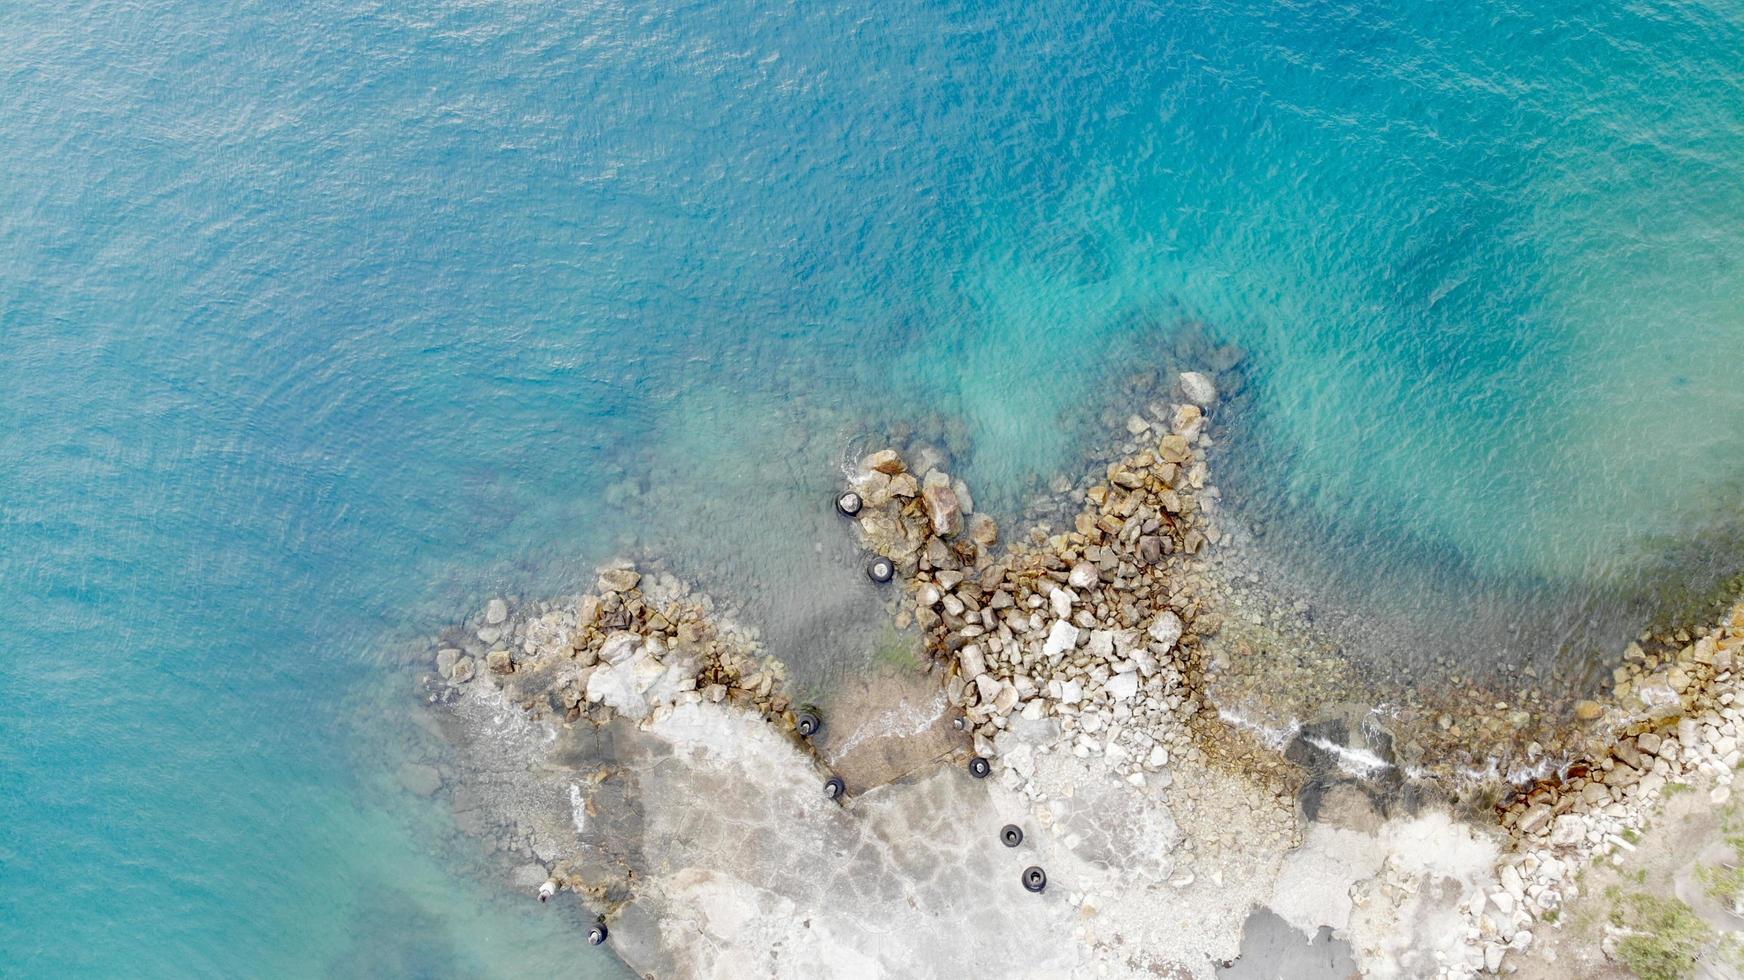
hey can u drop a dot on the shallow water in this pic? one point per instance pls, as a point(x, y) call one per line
point(318, 328)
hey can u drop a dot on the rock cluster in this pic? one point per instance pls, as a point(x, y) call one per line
point(1097, 627)
point(1684, 717)
point(636, 646)
point(1088, 652)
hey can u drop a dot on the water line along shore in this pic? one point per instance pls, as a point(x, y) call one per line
point(642, 750)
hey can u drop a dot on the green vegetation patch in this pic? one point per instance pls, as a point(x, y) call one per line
point(1666, 935)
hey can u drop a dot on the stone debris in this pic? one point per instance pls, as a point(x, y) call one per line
point(1078, 661)
point(1557, 826)
point(1091, 628)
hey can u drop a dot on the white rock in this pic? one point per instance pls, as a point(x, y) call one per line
point(636, 686)
point(987, 686)
point(1571, 828)
point(1100, 645)
point(1062, 636)
point(1511, 881)
point(972, 660)
point(496, 611)
point(1166, 629)
point(1122, 686)
point(1061, 600)
point(1083, 575)
point(619, 647)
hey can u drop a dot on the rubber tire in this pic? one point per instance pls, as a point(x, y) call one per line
point(1011, 835)
point(849, 503)
point(597, 935)
point(1035, 879)
point(980, 768)
point(834, 787)
point(808, 724)
point(881, 570)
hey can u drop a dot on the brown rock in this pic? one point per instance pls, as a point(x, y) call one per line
point(943, 509)
point(619, 579)
point(463, 670)
point(885, 461)
point(1588, 710)
point(499, 661)
point(983, 530)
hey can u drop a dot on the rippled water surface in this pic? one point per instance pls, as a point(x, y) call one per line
point(320, 324)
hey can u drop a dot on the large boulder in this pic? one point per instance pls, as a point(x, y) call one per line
point(635, 686)
point(619, 647)
point(942, 508)
point(1198, 388)
point(982, 530)
point(884, 461)
point(619, 579)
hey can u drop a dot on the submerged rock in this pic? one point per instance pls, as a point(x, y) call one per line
point(1198, 388)
point(619, 579)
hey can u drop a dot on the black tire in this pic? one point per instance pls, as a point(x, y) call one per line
point(881, 570)
point(834, 787)
point(1035, 879)
point(1011, 835)
point(849, 504)
point(597, 934)
point(980, 768)
point(808, 724)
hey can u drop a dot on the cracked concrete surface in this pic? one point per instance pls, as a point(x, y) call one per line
point(707, 834)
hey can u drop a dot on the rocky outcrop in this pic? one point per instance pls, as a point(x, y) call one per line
point(1089, 627)
point(650, 761)
point(1683, 714)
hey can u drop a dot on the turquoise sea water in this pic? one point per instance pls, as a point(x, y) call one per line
point(321, 324)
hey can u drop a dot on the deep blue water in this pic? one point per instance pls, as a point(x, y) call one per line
point(320, 324)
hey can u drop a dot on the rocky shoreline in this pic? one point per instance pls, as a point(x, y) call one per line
point(1093, 670)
